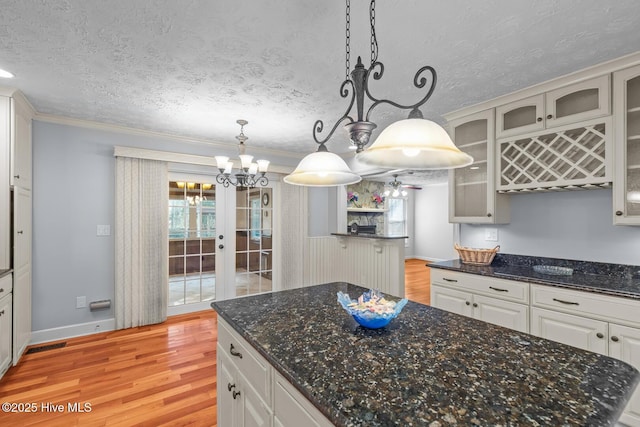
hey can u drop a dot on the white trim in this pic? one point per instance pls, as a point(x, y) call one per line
point(174, 310)
point(575, 77)
point(107, 127)
point(168, 156)
point(71, 331)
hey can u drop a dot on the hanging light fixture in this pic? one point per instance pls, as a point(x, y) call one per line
point(395, 188)
point(413, 143)
point(251, 174)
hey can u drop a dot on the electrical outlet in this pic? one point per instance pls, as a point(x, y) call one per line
point(103, 230)
point(491, 234)
point(81, 302)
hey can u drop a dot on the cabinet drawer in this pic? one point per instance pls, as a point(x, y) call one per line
point(252, 365)
point(6, 285)
point(620, 310)
point(508, 290)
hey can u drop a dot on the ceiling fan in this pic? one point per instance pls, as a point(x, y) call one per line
point(396, 188)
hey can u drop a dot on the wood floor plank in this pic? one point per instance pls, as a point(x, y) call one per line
point(158, 375)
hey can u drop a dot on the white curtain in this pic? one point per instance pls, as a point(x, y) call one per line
point(141, 234)
point(293, 214)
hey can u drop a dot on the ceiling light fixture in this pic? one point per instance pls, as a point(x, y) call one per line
point(413, 143)
point(394, 188)
point(251, 174)
point(5, 74)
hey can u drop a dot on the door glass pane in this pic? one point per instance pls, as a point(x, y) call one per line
point(253, 240)
point(192, 232)
point(519, 117)
point(577, 102)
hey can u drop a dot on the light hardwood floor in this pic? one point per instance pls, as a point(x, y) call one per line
point(159, 375)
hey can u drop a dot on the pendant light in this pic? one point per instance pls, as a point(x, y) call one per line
point(414, 143)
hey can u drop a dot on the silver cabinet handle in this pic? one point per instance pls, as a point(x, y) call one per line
point(614, 338)
point(566, 302)
point(600, 335)
point(449, 280)
point(498, 289)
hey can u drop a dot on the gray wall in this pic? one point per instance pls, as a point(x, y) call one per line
point(573, 225)
point(73, 192)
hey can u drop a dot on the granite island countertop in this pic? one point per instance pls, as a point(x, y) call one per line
point(608, 279)
point(427, 365)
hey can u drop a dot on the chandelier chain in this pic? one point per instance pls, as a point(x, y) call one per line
point(348, 40)
point(374, 40)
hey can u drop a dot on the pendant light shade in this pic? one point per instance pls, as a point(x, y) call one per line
point(414, 143)
point(322, 169)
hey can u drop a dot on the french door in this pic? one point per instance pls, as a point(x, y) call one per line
point(220, 242)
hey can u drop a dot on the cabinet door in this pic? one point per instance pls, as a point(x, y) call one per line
point(519, 117)
point(227, 385)
point(452, 300)
point(626, 198)
point(20, 145)
point(578, 102)
point(624, 344)
point(5, 334)
point(292, 409)
point(502, 313)
point(253, 411)
point(472, 196)
point(581, 332)
point(5, 193)
point(22, 272)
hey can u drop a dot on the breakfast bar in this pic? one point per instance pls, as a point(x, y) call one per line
point(428, 367)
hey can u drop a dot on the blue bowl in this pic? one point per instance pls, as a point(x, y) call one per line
point(372, 322)
point(368, 319)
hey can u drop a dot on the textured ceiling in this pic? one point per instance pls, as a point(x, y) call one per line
point(192, 68)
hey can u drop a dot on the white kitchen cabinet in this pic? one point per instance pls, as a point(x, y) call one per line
point(244, 382)
point(5, 192)
point(626, 197)
point(624, 344)
point(250, 393)
point(577, 331)
point(472, 195)
point(292, 408)
point(21, 271)
point(600, 323)
point(6, 303)
point(21, 157)
point(567, 104)
point(496, 301)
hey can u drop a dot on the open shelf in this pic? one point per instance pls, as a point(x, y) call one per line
point(465, 184)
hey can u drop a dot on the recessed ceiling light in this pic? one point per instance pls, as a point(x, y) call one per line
point(5, 74)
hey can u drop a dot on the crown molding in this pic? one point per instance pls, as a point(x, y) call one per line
point(108, 127)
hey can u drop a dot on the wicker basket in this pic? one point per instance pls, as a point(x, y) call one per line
point(476, 256)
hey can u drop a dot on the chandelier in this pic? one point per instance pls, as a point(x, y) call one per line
point(413, 143)
point(251, 174)
point(395, 188)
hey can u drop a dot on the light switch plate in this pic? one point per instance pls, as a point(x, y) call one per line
point(491, 234)
point(103, 230)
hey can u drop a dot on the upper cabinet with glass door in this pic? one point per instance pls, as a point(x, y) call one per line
point(626, 196)
point(472, 191)
point(569, 104)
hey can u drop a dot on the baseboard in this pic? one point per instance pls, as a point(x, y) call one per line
point(71, 331)
point(424, 258)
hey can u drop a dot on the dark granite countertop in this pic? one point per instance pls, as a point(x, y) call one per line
point(427, 365)
point(611, 279)
point(368, 236)
point(5, 272)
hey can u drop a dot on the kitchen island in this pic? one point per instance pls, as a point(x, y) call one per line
point(428, 365)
